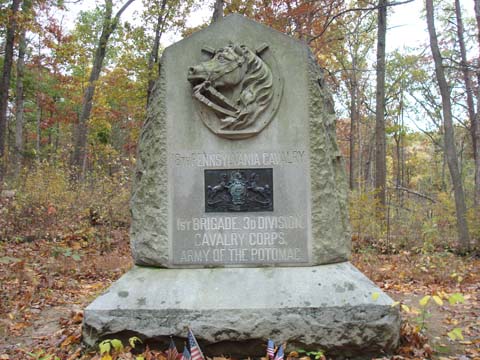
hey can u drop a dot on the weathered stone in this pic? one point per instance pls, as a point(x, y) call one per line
point(295, 140)
point(234, 183)
point(327, 307)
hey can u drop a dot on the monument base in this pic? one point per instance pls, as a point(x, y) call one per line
point(233, 311)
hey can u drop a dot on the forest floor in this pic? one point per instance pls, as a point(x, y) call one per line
point(45, 284)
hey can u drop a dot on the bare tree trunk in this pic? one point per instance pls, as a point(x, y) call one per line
point(217, 10)
point(464, 64)
point(360, 144)
point(108, 27)
point(39, 129)
point(353, 124)
point(450, 149)
point(5, 82)
point(19, 103)
point(153, 58)
point(402, 148)
point(397, 155)
point(38, 102)
point(476, 124)
point(397, 137)
point(380, 146)
point(470, 103)
point(444, 166)
point(476, 135)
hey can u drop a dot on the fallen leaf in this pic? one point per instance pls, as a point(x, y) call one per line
point(438, 300)
point(77, 317)
point(424, 300)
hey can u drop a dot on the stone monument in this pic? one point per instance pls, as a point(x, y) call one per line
point(239, 207)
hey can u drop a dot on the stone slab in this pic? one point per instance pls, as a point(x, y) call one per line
point(326, 307)
point(298, 145)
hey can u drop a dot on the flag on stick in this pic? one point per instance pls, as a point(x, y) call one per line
point(195, 351)
point(185, 354)
point(279, 355)
point(172, 351)
point(270, 349)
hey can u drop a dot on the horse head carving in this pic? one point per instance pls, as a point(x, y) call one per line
point(236, 84)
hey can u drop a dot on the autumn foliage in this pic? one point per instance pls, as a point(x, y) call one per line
point(64, 226)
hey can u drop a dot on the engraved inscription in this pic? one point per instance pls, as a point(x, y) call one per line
point(241, 240)
point(236, 190)
point(243, 207)
point(267, 159)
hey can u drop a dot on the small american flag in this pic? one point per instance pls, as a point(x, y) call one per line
point(270, 349)
point(279, 355)
point(172, 351)
point(194, 348)
point(186, 354)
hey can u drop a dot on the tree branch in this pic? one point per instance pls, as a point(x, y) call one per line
point(401, 188)
point(370, 8)
point(122, 9)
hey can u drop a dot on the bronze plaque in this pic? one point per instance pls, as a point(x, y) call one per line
point(239, 190)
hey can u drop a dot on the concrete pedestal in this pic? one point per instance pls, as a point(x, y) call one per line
point(234, 310)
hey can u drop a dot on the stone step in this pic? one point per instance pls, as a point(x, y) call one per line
point(329, 307)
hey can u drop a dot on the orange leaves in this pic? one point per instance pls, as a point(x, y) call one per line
point(47, 276)
point(71, 339)
point(77, 317)
point(18, 327)
point(413, 342)
point(51, 210)
point(437, 309)
point(76, 354)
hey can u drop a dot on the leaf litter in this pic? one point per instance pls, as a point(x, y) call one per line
point(44, 289)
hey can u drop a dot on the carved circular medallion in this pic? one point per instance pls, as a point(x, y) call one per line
point(237, 92)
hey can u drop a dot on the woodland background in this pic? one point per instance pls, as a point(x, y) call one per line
point(73, 97)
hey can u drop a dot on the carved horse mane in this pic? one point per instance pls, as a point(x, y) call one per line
point(245, 74)
point(256, 91)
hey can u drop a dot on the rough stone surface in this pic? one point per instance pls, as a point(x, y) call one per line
point(328, 307)
point(149, 202)
point(278, 272)
point(330, 227)
point(312, 190)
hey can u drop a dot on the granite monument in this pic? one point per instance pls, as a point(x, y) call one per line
point(239, 207)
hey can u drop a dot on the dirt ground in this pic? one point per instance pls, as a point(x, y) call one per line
point(46, 284)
